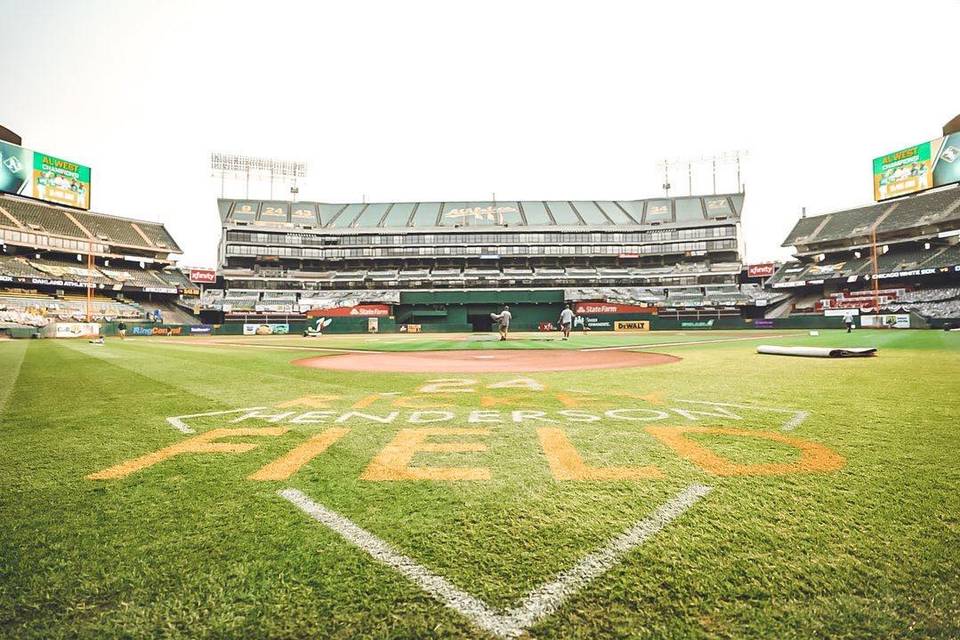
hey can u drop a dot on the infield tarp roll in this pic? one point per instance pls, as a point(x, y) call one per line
point(818, 352)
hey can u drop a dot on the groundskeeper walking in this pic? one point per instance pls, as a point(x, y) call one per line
point(503, 318)
point(848, 321)
point(566, 322)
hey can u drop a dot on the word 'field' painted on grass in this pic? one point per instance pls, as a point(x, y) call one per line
point(428, 426)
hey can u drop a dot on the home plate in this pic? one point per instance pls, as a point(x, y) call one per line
point(484, 357)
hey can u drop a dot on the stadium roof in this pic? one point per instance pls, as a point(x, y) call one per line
point(513, 213)
point(914, 212)
point(31, 216)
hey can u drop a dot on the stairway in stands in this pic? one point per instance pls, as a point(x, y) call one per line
point(172, 314)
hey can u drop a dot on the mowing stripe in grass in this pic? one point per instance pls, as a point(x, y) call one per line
point(543, 601)
point(540, 602)
point(239, 345)
point(684, 343)
point(797, 416)
point(438, 587)
point(12, 360)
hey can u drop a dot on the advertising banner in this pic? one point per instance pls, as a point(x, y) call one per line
point(274, 308)
point(841, 312)
point(923, 166)
point(158, 330)
point(886, 321)
point(600, 308)
point(39, 175)
point(594, 324)
point(697, 324)
point(71, 330)
point(362, 310)
point(631, 325)
point(203, 276)
point(266, 329)
point(410, 328)
point(373, 325)
point(762, 270)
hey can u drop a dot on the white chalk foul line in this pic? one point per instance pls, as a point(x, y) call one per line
point(478, 612)
point(177, 421)
point(540, 602)
point(188, 342)
point(797, 416)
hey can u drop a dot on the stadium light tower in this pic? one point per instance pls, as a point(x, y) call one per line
point(725, 158)
point(237, 164)
point(665, 165)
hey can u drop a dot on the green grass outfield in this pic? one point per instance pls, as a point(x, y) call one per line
point(867, 547)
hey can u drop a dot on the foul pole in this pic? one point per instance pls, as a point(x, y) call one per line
point(875, 267)
point(90, 264)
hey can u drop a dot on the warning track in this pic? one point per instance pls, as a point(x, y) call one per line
point(486, 361)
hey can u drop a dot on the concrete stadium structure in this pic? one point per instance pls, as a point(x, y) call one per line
point(447, 265)
point(898, 256)
point(50, 255)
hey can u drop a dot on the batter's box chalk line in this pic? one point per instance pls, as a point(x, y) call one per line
point(539, 603)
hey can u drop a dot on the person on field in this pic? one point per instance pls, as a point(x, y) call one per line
point(566, 322)
point(848, 321)
point(503, 318)
point(122, 330)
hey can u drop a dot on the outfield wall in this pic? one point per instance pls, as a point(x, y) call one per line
point(428, 318)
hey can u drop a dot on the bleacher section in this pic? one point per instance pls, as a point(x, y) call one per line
point(525, 213)
point(58, 270)
point(504, 248)
point(902, 217)
point(46, 268)
point(37, 217)
point(291, 303)
point(22, 215)
point(940, 302)
point(33, 308)
point(844, 265)
point(446, 276)
point(700, 297)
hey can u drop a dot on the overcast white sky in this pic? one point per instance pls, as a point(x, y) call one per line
point(453, 100)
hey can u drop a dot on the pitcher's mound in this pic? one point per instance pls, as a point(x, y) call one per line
point(501, 361)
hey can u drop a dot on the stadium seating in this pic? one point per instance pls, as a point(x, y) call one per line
point(31, 306)
point(537, 213)
point(939, 302)
point(111, 230)
point(119, 273)
point(122, 232)
point(894, 217)
point(19, 267)
point(923, 210)
point(41, 218)
point(684, 297)
point(279, 296)
point(383, 275)
point(414, 274)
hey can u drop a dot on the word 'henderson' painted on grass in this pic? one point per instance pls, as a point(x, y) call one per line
point(563, 459)
point(417, 412)
point(539, 603)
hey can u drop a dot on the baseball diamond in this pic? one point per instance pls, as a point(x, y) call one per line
point(509, 350)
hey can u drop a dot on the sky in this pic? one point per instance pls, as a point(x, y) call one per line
point(417, 100)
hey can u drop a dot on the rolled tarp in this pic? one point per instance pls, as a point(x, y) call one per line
point(818, 352)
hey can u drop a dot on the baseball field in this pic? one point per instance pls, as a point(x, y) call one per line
point(647, 485)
